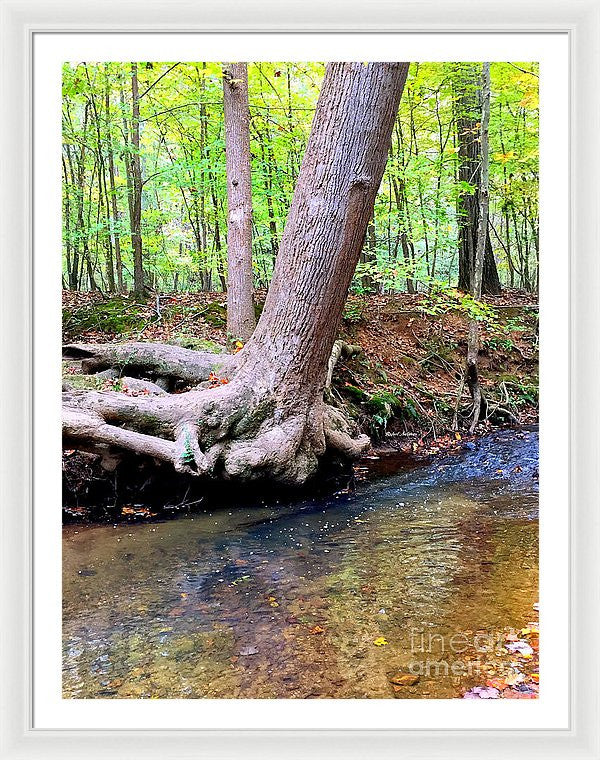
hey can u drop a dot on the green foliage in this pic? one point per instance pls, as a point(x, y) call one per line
point(379, 408)
point(441, 299)
point(215, 314)
point(515, 324)
point(520, 393)
point(355, 393)
point(385, 403)
point(188, 452)
point(495, 343)
point(354, 310)
point(412, 241)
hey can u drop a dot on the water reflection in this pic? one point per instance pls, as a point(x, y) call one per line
point(288, 602)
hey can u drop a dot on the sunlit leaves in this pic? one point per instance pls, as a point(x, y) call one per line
point(183, 165)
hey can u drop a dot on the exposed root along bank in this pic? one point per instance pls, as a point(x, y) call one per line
point(152, 360)
point(246, 428)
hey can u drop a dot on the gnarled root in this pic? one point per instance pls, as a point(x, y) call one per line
point(243, 430)
point(343, 436)
point(341, 350)
point(154, 360)
point(231, 432)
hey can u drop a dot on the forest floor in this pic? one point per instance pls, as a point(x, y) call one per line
point(402, 389)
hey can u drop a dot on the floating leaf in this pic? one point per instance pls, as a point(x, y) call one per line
point(519, 647)
point(482, 692)
point(248, 651)
point(403, 679)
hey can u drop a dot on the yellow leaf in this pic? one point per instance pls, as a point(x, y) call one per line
point(504, 157)
point(380, 641)
point(530, 631)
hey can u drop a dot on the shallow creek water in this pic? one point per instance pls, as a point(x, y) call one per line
point(409, 573)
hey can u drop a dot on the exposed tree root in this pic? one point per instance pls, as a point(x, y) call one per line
point(243, 430)
point(341, 350)
point(155, 360)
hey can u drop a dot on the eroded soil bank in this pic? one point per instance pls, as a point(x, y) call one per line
point(402, 389)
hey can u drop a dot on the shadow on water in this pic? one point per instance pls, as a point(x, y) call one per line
point(323, 598)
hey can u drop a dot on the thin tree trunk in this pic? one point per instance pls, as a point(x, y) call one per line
point(102, 184)
point(472, 374)
point(113, 195)
point(406, 235)
point(505, 205)
point(73, 272)
point(268, 185)
point(200, 198)
point(136, 176)
point(468, 108)
point(241, 320)
point(368, 256)
point(67, 220)
point(217, 235)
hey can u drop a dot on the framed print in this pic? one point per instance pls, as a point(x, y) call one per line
point(321, 473)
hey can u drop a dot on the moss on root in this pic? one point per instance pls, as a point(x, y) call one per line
point(85, 382)
point(375, 411)
point(198, 344)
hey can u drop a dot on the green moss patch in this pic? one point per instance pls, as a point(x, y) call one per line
point(197, 344)
point(117, 315)
point(215, 314)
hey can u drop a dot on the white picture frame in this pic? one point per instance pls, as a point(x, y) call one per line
point(20, 21)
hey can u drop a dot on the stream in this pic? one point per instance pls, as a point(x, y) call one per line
point(415, 572)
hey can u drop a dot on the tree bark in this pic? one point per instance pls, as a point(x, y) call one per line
point(67, 220)
point(136, 181)
point(241, 320)
point(468, 111)
point(472, 374)
point(264, 415)
point(102, 191)
point(113, 195)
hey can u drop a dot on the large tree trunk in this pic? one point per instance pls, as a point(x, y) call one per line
point(241, 320)
point(468, 113)
point(270, 418)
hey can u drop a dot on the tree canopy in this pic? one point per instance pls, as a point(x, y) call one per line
point(412, 240)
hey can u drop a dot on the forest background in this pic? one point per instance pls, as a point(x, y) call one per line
point(152, 135)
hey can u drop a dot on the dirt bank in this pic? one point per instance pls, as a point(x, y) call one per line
point(401, 388)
